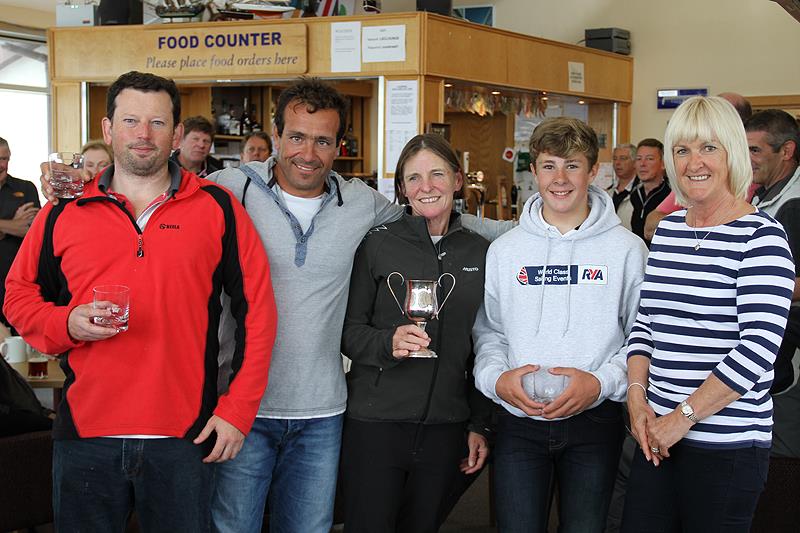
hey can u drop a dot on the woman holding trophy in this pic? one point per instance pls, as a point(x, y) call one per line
point(414, 417)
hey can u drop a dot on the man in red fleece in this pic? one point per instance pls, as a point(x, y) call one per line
point(141, 422)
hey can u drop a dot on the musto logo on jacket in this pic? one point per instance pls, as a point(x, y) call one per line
point(563, 275)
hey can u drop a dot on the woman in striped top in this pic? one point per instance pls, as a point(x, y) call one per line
point(713, 308)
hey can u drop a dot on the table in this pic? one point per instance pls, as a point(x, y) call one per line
point(54, 380)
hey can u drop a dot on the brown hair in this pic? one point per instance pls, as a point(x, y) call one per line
point(433, 142)
point(198, 123)
point(562, 137)
point(264, 136)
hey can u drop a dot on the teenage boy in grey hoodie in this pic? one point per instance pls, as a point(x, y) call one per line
point(562, 292)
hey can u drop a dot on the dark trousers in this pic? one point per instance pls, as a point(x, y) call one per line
point(695, 490)
point(396, 475)
point(579, 454)
point(98, 482)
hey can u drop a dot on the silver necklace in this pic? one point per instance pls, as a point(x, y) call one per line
point(700, 241)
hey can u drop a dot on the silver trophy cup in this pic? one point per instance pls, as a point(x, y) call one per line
point(421, 304)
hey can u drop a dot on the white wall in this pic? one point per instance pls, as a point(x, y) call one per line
point(747, 46)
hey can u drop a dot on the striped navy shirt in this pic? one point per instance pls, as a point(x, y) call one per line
point(721, 308)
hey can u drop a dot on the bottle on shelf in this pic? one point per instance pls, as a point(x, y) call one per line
point(352, 143)
point(254, 124)
point(245, 122)
point(224, 120)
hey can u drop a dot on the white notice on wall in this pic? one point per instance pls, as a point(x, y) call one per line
point(402, 99)
point(383, 43)
point(576, 79)
point(345, 47)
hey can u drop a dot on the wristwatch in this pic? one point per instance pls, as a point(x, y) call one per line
point(688, 412)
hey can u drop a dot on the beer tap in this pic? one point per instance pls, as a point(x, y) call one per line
point(478, 187)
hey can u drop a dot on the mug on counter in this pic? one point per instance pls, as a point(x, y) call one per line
point(15, 349)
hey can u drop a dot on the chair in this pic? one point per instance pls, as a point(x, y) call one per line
point(26, 493)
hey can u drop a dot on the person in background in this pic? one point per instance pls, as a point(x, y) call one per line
point(653, 184)
point(715, 298)
point(256, 146)
point(669, 205)
point(195, 147)
point(19, 204)
point(561, 292)
point(141, 420)
point(97, 155)
point(406, 438)
point(625, 180)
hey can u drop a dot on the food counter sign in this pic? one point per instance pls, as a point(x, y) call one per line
point(228, 51)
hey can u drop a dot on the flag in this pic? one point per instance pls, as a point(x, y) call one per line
point(326, 8)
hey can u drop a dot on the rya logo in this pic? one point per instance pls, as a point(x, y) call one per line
point(593, 274)
point(169, 226)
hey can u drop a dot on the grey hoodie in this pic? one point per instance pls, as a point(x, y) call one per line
point(577, 315)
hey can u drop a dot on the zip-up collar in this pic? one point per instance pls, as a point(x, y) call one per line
point(104, 182)
point(419, 225)
point(301, 239)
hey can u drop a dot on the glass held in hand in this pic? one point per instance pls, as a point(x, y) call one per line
point(117, 299)
point(66, 174)
point(542, 386)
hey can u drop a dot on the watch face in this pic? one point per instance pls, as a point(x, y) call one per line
point(686, 409)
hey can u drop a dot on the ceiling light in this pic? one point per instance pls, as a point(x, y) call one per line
point(495, 92)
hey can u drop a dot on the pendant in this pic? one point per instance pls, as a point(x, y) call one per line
point(696, 246)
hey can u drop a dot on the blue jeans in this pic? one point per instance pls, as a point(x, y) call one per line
point(98, 482)
point(579, 455)
point(695, 490)
point(295, 462)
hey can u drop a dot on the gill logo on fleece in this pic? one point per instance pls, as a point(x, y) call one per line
point(563, 275)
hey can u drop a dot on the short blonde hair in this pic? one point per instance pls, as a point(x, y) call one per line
point(710, 118)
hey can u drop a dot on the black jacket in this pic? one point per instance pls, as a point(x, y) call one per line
point(432, 391)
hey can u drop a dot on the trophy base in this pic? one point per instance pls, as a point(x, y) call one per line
point(423, 354)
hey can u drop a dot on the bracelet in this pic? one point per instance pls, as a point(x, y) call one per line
point(636, 384)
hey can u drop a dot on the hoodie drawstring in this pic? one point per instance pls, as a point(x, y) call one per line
point(544, 285)
point(569, 287)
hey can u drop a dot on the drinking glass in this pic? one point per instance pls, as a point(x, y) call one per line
point(37, 365)
point(542, 386)
point(117, 298)
point(66, 177)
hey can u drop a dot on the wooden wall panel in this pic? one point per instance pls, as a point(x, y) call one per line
point(484, 138)
point(67, 117)
point(478, 53)
point(601, 119)
point(432, 101)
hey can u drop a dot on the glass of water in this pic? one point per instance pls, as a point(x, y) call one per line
point(66, 176)
point(542, 386)
point(117, 298)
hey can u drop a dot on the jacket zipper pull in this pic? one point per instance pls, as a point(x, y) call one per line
point(140, 249)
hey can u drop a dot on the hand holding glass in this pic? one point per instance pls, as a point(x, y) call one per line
point(117, 299)
point(542, 386)
point(66, 176)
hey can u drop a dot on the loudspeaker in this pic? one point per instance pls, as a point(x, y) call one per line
point(443, 7)
point(114, 12)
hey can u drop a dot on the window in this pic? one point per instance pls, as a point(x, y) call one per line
point(24, 93)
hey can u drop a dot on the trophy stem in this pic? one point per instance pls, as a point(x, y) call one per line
point(423, 353)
